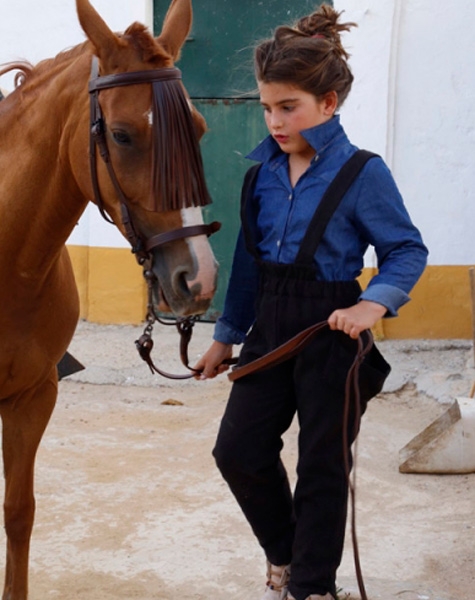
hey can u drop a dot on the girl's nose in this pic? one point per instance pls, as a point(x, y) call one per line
point(275, 121)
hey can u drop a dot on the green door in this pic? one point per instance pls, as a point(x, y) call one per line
point(218, 73)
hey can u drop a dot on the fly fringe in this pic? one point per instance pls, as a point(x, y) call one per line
point(178, 175)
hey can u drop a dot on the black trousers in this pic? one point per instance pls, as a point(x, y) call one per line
point(307, 527)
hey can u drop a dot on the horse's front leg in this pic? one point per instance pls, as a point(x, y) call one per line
point(24, 421)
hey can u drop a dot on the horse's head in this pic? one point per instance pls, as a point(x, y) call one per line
point(151, 180)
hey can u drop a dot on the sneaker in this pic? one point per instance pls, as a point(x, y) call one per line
point(327, 596)
point(277, 581)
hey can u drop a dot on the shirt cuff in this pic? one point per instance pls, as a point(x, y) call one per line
point(388, 295)
point(226, 334)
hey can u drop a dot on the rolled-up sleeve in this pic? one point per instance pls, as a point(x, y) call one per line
point(386, 225)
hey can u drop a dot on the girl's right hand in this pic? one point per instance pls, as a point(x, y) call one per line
point(210, 364)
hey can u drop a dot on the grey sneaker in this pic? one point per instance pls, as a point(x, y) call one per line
point(277, 582)
point(327, 596)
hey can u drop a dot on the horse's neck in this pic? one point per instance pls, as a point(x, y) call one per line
point(40, 199)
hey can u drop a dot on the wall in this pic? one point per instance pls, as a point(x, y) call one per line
point(411, 102)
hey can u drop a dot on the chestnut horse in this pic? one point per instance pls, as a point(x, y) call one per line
point(46, 181)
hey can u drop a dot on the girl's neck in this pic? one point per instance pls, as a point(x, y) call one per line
point(298, 164)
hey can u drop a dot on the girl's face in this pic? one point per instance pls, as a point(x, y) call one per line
point(288, 110)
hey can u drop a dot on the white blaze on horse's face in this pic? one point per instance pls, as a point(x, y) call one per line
point(205, 262)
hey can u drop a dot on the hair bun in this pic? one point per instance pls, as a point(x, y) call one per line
point(324, 24)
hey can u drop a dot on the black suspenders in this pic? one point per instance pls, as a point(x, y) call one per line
point(327, 206)
point(329, 203)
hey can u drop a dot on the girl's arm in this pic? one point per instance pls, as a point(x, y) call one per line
point(238, 314)
point(383, 222)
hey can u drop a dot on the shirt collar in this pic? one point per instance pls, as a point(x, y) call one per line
point(319, 137)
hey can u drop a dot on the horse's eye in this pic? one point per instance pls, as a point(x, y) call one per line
point(121, 137)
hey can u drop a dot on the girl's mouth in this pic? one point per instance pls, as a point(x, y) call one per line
point(281, 139)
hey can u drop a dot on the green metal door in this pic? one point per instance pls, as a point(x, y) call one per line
point(218, 73)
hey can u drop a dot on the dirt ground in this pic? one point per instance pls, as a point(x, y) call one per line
point(130, 504)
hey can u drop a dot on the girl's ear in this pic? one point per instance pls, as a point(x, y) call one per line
point(330, 103)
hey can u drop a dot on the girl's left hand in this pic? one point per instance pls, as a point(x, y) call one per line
point(357, 318)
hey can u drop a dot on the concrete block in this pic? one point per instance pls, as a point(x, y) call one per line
point(447, 445)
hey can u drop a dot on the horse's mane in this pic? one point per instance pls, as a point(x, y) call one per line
point(28, 72)
point(136, 35)
point(23, 67)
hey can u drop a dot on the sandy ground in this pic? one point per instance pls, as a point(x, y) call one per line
point(130, 504)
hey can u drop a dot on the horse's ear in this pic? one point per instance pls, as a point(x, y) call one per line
point(96, 29)
point(176, 27)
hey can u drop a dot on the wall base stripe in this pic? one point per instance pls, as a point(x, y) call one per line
point(112, 290)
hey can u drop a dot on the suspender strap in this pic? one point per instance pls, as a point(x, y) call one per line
point(329, 203)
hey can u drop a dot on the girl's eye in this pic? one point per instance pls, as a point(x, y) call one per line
point(121, 137)
point(288, 108)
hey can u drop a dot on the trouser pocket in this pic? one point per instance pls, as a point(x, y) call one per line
point(372, 373)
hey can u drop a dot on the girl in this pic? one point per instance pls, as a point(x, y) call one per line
point(298, 255)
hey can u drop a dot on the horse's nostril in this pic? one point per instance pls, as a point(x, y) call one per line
point(179, 283)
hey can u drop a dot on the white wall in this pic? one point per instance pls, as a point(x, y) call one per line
point(413, 101)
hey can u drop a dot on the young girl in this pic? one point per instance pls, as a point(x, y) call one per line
point(291, 270)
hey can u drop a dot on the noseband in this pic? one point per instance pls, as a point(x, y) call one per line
point(199, 197)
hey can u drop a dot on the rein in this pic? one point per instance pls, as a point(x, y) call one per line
point(184, 326)
point(286, 351)
point(142, 248)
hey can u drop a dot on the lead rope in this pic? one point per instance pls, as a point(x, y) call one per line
point(291, 348)
point(352, 381)
point(284, 352)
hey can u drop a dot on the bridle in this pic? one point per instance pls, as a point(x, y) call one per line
point(142, 248)
point(97, 139)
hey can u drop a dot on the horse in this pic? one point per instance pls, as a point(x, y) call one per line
point(107, 121)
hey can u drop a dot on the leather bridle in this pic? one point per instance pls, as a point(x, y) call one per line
point(142, 247)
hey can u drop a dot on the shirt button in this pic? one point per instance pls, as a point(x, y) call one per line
point(278, 243)
point(290, 197)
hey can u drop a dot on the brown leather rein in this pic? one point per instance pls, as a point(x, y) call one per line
point(287, 351)
point(141, 247)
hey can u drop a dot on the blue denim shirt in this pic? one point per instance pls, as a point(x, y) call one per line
point(371, 213)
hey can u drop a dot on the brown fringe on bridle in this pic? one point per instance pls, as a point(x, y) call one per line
point(177, 168)
point(178, 176)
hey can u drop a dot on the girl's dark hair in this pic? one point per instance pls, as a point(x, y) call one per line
point(309, 55)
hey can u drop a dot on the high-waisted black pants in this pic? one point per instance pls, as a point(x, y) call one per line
point(305, 528)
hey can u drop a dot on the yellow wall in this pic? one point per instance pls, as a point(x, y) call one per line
point(440, 307)
point(111, 285)
point(112, 290)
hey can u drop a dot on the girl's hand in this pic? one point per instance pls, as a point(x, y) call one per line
point(210, 363)
point(357, 318)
